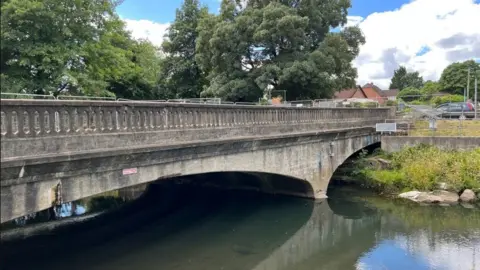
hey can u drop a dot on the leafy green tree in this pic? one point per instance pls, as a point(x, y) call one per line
point(183, 77)
point(454, 77)
point(430, 87)
point(140, 80)
point(74, 47)
point(402, 79)
point(409, 94)
point(278, 45)
point(42, 41)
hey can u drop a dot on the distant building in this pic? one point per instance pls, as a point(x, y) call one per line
point(390, 94)
point(368, 91)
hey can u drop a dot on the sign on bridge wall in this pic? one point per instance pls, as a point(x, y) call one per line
point(386, 127)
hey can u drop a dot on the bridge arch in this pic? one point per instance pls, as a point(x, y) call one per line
point(37, 184)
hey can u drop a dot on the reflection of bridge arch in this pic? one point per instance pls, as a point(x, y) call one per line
point(322, 232)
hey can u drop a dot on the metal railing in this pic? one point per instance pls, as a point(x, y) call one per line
point(436, 127)
point(317, 103)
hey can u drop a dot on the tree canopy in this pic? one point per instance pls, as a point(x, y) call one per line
point(79, 47)
point(278, 45)
point(402, 79)
point(430, 87)
point(182, 75)
point(454, 77)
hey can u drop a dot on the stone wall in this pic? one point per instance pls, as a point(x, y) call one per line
point(396, 143)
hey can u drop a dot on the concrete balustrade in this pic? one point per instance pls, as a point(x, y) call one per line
point(49, 118)
point(56, 151)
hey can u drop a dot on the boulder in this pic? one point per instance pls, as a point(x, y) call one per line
point(379, 163)
point(438, 196)
point(428, 198)
point(468, 196)
point(411, 195)
point(446, 196)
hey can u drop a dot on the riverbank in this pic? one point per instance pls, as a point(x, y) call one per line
point(421, 173)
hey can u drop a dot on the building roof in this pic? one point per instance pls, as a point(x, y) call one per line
point(373, 86)
point(345, 93)
point(389, 93)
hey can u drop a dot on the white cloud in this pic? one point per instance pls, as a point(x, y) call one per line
point(353, 20)
point(444, 31)
point(145, 29)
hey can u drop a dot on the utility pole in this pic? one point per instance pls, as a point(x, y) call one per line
point(476, 96)
point(468, 83)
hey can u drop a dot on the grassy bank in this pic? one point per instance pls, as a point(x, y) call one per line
point(420, 168)
point(447, 128)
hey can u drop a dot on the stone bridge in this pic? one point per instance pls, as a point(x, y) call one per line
point(60, 151)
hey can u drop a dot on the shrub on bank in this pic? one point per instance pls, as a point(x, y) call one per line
point(424, 168)
point(447, 99)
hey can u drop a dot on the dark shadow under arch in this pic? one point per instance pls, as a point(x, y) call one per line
point(341, 176)
point(160, 205)
point(254, 181)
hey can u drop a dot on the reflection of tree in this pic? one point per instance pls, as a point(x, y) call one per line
point(436, 218)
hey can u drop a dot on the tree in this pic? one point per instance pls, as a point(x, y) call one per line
point(454, 77)
point(430, 87)
point(74, 47)
point(184, 79)
point(118, 65)
point(278, 45)
point(409, 94)
point(41, 41)
point(402, 79)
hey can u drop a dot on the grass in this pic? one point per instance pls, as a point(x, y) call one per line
point(450, 128)
point(423, 168)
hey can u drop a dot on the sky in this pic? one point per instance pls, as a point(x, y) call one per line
point(423, 35)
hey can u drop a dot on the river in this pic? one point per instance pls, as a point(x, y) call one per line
point(207, 229)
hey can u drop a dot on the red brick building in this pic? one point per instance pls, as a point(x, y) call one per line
point(368, 91)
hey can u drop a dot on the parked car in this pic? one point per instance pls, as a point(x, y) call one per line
point(455, 110)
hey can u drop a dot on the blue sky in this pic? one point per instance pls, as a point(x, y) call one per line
point(422, 35)
point(163, 11)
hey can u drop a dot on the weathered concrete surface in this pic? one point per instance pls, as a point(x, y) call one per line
point(31, 184)
point(42, 127)
point(396, 143)
point(21, 147)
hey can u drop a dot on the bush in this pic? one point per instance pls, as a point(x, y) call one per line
point(391, 103)
point(424, 167)
point(409, 94)
point(447, 99)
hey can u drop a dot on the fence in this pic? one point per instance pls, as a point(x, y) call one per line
point(436, 128)
point(317, 103)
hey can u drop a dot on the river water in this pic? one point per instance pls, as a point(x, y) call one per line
point(211, 229)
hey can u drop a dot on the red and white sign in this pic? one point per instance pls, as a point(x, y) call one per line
point(129, 171)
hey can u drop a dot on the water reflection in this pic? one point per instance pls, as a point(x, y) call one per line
point(198, 228)
point(98, 203)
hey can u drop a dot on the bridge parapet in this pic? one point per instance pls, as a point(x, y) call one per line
point(51, 127)
point(48, 118)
